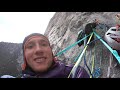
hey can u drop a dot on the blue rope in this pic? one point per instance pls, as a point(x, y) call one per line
point(97, 72)
point(87, 66)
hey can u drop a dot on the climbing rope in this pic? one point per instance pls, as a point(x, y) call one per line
point(85, 63)
point(96, 70)
point(79, 60)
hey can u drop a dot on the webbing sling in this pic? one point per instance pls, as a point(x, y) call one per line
point(114, 52)
point(70, 46)
point(79, 60)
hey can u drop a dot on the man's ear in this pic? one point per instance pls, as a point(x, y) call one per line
point(55, 58)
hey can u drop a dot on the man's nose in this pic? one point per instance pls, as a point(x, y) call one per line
point(38, 49)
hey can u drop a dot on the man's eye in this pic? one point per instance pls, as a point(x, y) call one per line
point(29, 46)
point(44, 44)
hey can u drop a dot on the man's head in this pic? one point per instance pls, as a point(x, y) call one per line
point(37, 52)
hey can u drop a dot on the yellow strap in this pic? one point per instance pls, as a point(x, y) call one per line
point(79, 60)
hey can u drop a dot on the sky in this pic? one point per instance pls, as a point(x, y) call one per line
point(15, 26)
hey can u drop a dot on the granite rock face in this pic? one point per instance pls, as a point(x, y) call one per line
point(62, 31)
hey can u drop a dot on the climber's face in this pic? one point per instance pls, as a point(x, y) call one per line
point(38, 53)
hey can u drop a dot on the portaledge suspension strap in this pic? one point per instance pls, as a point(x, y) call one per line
point(70, 46)
point(114, 52)
point(73, 71)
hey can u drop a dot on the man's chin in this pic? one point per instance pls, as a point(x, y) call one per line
point(41, 70)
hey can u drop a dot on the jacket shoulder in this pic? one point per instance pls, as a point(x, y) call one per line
point(7, 76)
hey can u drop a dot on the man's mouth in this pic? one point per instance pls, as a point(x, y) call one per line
point(40, 59)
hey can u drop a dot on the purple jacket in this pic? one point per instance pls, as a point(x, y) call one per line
point(58, 70)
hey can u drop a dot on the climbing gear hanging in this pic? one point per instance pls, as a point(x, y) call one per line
point(73, 71)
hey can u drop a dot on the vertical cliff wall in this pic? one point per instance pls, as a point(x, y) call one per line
point(63, 29)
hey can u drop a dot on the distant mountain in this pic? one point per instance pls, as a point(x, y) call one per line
point(10, 58)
